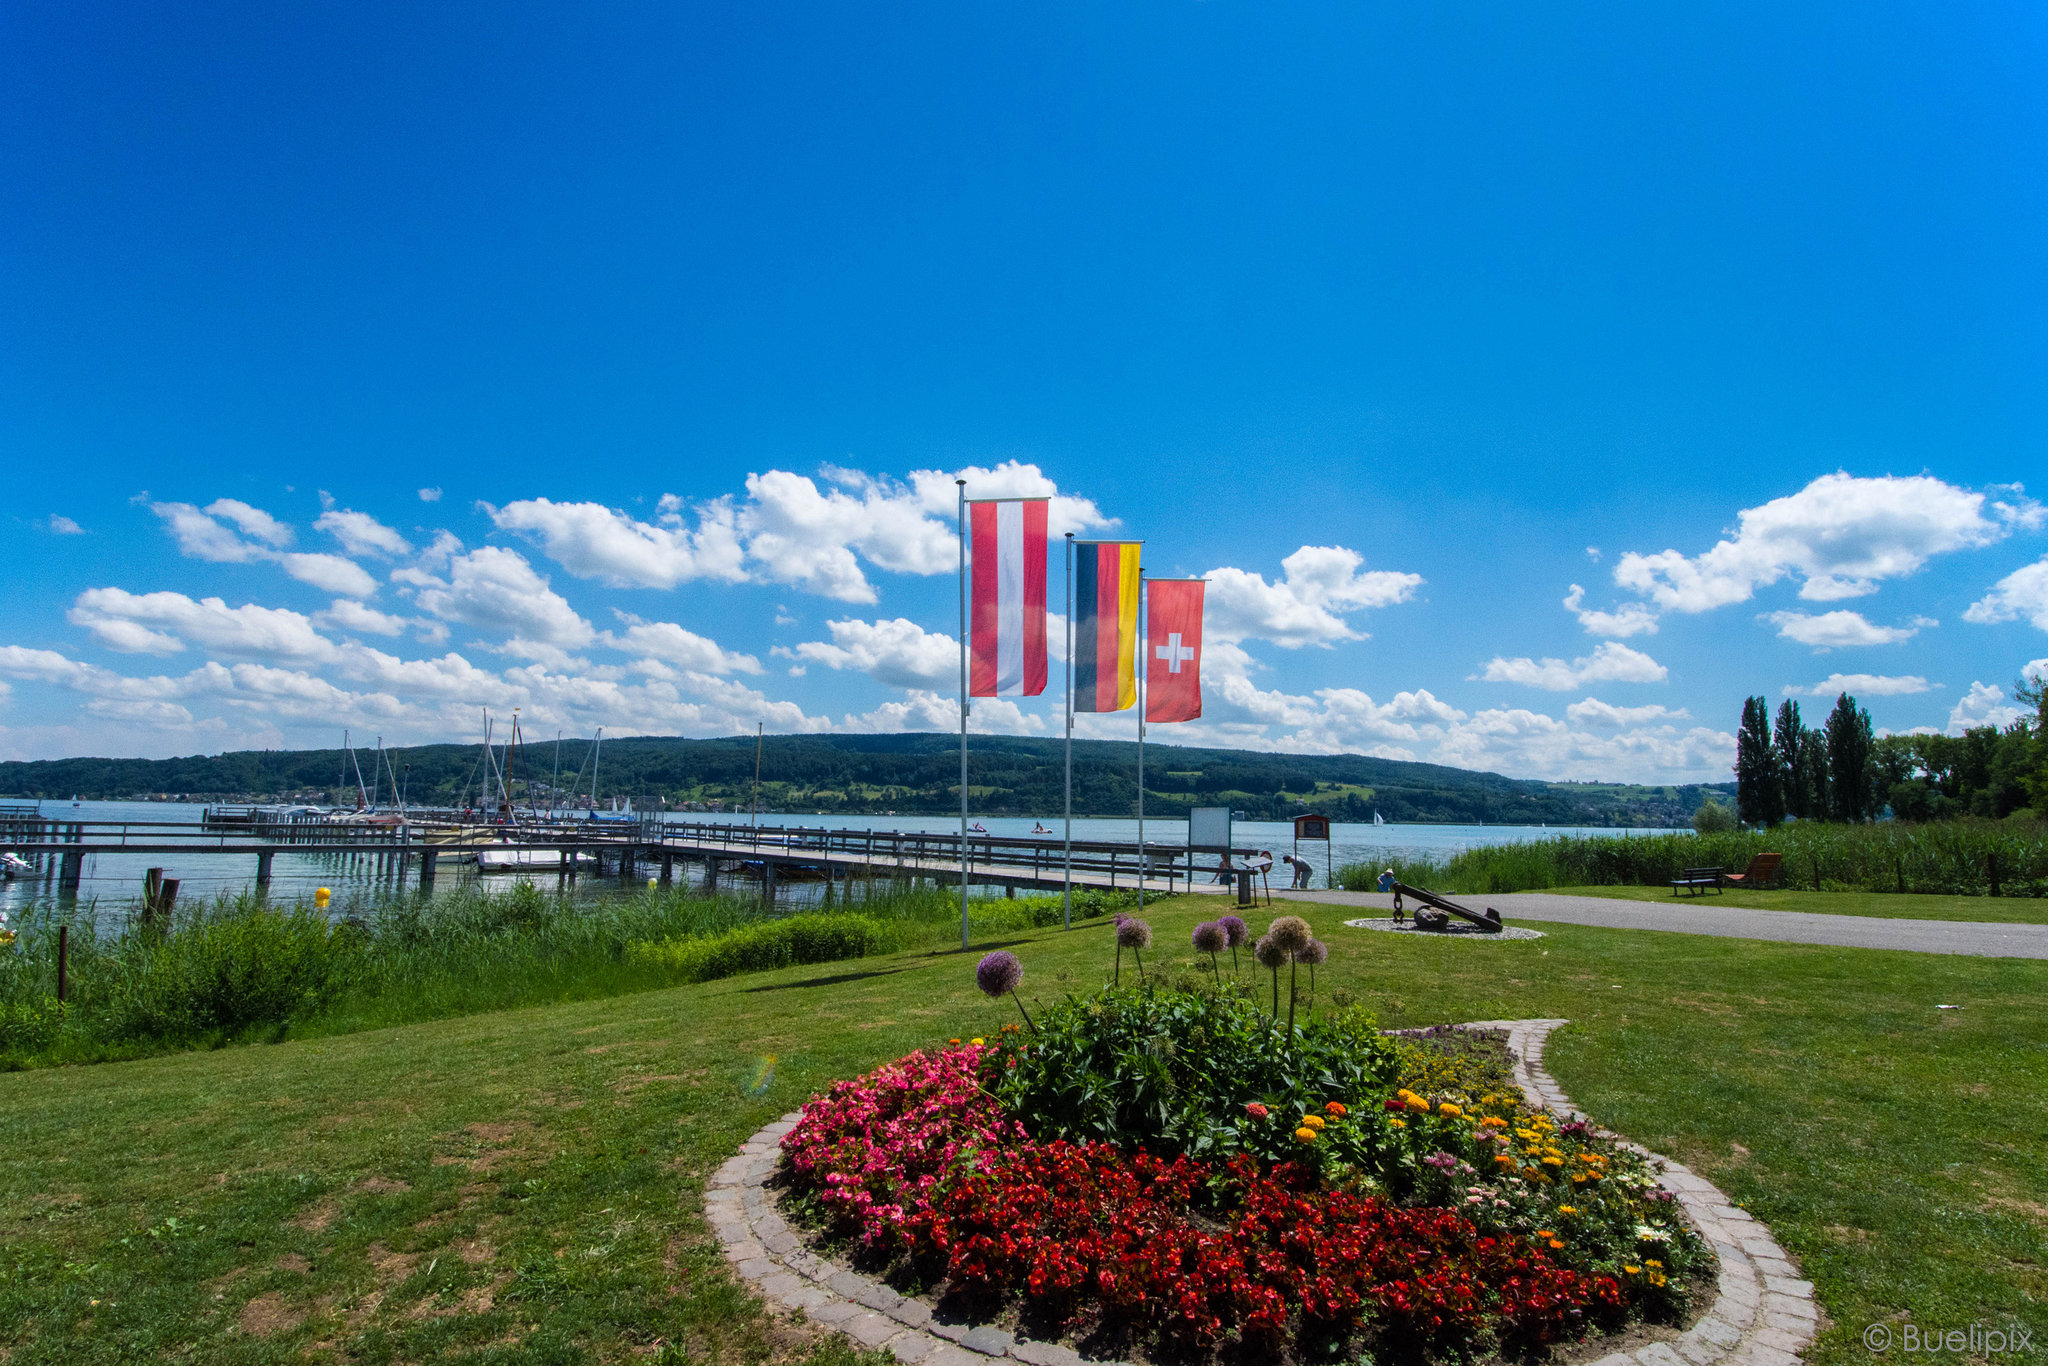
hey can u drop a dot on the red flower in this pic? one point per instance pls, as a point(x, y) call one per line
point(1256, 1110)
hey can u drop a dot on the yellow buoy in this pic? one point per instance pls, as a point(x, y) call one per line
point(321, 896)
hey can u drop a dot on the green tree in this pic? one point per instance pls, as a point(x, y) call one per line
point(1849, 770)
point(1791, 755)
point(1816, 789)
point(1712, 818)
point(2032, 690)
point(1759, 789)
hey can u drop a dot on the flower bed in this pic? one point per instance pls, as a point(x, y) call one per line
point(1337, 1209)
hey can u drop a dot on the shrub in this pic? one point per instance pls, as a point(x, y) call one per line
point(771, 944)
point(225, 974)
point(1171, 1071)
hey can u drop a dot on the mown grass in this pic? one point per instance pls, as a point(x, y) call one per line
point(524, 1186)
point(2003, 910)
point(1942, 858)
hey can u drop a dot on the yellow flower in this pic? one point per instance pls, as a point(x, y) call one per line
point(1398, 1123)
point(977, 1043)
point(1494, 1122)
point(1524, 1133)
point(1418, 1104)
point(1550, 1161)
point(1633, 1270)
point(1449, 1109)
point(1567, 1209)
point(1312, 1122)
point(1304, 1135)
point(1651, 1261)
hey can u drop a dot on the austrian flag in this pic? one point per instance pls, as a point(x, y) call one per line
point(1173, 649)
point(1006, 631)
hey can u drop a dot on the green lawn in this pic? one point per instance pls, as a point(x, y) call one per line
point(2005, 910)
point(523, 1186)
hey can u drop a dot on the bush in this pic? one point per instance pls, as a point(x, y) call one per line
point(1712, 818)
point(1172, 1071)
point(772, 944)
point(221, 976)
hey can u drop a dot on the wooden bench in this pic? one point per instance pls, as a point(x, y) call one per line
point(1697, 880)
point(1762, 870)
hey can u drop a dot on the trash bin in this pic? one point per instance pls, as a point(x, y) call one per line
point(1244, 886)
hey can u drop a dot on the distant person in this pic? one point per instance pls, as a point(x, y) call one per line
point(1225, 871)
point(1388, 884)
point(1301, 871)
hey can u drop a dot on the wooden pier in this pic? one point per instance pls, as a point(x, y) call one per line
point(400, 846)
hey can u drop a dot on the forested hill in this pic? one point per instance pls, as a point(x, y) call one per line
point(911, 774)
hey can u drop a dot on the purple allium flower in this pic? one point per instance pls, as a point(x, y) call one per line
point(1291, 933)
point(1441, 1161)
point(998, 973)
point(1209, 937)
point(1315, 953)
point(1133, 933)
point(1235, 931)
point(1269, 954)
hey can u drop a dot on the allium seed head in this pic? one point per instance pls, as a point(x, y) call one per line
point(1269, 954)
point(1315, 954)
point(1133, 933)
point(1291, 933)
point(998, 973)
point(1209, 938)
point(1235, 931)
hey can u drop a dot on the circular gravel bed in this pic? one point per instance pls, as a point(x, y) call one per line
point(1457, 929)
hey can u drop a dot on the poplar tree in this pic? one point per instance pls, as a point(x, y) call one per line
point(1759, 791)
point(1791, 757)
point(1849, 745)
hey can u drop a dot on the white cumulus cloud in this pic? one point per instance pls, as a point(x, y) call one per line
point(1609, 663)
point(1983, 705)
point(1320, 583)
point(495, 589)
point(1870, 685)
point(360, 533)
point(162, 623)
point(592, 541)
point(1630, 619)
point(1841, 535)
point(346, 615)
point(253, 521)
point(2022, 593)
point(1840, 629)
point(672, 644)
point(899, 653)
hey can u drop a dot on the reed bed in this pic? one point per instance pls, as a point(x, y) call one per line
point(1946, 858)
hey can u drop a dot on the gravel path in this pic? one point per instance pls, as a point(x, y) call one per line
point(1969, 937)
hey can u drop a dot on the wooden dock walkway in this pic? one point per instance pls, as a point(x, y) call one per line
point(624, 847)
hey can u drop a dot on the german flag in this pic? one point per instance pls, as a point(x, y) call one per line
point(1105, 625)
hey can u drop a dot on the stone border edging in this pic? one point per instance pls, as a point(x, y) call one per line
point(1764, 1314)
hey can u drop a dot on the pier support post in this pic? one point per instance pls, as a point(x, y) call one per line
point(710, 874)
point(1010, 892)
point(768, 882)
point(668, 869)
point(68, 874)
point(263, 869)
point(427, 857)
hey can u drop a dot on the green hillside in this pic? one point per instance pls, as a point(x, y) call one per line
point(872, 774)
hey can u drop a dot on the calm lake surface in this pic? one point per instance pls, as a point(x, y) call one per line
point(111, 882)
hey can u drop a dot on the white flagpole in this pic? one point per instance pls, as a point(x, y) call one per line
point(1067, 888)
point(1144, 661)
point(962, 484)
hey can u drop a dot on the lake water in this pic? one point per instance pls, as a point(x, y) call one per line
point(111, 882)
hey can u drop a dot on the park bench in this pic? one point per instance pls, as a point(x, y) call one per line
point(1697, 880)
point(1763, 869)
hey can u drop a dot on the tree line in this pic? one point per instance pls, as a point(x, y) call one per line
point(1842, 770)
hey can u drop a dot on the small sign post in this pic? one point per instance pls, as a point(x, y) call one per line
point(1312, 827)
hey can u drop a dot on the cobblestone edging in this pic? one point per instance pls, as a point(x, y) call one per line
point(1763, 1316)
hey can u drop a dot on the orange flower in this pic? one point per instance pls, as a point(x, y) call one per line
point(1336, 1107)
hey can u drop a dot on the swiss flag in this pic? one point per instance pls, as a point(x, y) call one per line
point(1173, 649)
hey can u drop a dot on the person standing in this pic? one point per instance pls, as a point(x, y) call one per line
point(1301, 871)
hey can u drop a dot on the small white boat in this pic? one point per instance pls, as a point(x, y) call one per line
point(13, 865)
point(513, 859)
point(1378, 819)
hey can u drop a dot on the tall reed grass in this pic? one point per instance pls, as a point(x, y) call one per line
point(243, 969)
point(1952, 858)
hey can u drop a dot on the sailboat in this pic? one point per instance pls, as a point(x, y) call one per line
point(1378, 819)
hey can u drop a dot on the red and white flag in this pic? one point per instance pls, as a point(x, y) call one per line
point(1006, 546)
point(1173, 649)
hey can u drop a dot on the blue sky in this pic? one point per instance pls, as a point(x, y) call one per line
point(1533, 383)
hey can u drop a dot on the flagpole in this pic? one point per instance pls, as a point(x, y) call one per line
point(962, 525)
point(1143, 661)
point(1067, 886)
